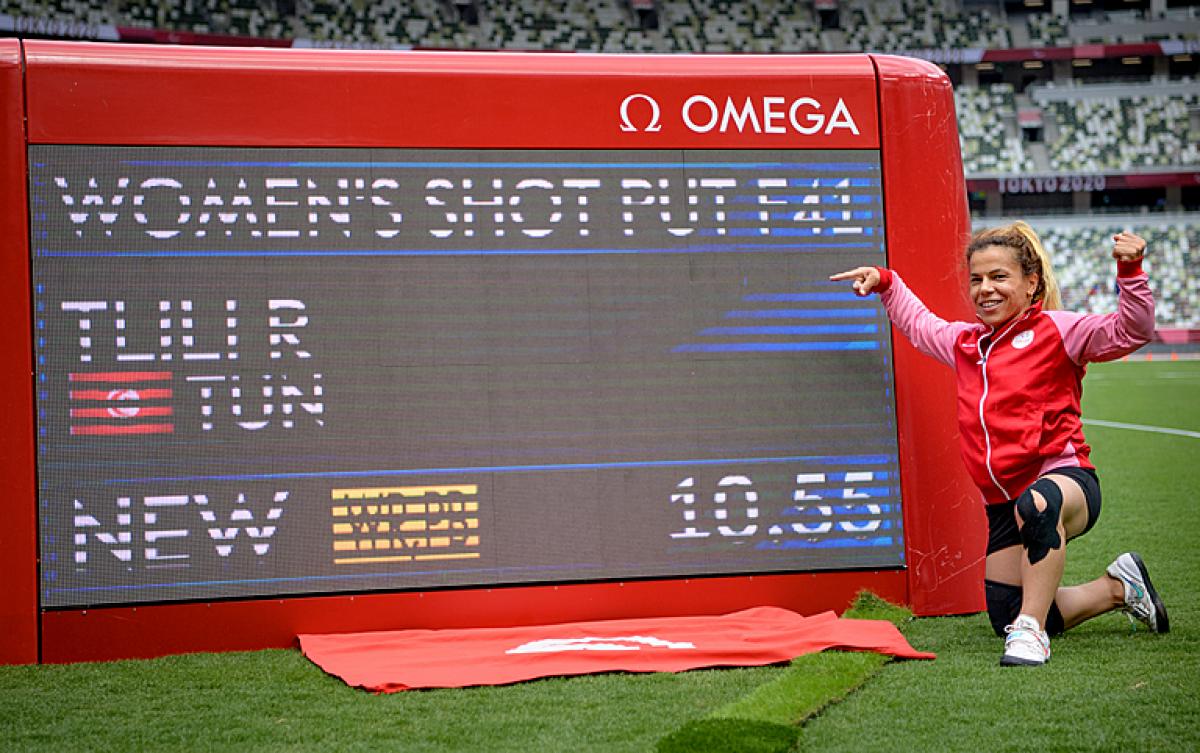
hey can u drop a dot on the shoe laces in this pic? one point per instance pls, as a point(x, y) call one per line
point(1015, 633)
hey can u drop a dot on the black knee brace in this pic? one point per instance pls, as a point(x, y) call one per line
point(1004, 604)
point(1039, 530)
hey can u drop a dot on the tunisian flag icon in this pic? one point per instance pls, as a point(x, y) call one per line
point(121, 402)
point(406, 659)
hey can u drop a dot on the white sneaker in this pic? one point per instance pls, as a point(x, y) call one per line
point(1141, 600)
point(1026, 644)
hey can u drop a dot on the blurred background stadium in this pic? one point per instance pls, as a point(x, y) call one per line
point(1080, 116)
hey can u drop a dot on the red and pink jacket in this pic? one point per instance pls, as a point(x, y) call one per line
point(1019, 385)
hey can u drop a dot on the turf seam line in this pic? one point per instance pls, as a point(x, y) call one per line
point(857, 667)
point(848, 670)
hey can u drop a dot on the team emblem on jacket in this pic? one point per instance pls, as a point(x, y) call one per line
point(1022, 340)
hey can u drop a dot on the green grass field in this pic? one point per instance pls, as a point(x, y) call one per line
point(1107, 687)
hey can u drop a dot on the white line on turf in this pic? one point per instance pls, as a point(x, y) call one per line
point(1140, 427)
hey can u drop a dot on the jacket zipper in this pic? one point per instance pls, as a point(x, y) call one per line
point(987, 439)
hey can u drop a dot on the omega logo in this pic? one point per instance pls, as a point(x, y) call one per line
point(626, 125)
point(769, 114)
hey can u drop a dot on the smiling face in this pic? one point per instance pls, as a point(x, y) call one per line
point(999, 289)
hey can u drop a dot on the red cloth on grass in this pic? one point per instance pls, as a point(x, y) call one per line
point(404, 659)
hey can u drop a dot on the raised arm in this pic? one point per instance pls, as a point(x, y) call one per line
point(928, 332)
point(1106, 337)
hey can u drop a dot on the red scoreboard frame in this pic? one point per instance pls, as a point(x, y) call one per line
point(98, 94)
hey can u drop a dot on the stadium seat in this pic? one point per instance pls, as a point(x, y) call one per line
point(987, 130)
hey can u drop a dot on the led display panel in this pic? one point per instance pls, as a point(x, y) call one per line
point(302, 371)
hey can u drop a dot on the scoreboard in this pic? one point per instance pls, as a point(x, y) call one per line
point(331, 359)
point(295, 371)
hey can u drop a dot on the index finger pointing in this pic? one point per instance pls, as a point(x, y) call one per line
point(849, 275)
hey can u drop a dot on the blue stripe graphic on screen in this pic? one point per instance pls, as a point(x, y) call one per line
point(801, 313)
point(824, 244)
point(815, 459)
point(800, 329)
point(824, 214)
point(837, 495)
point(832, 211)
point(799, 232)
point(813, 166)
point(775, 347)
point(826, 543)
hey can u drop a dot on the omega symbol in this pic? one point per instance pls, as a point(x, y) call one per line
point(627, 125)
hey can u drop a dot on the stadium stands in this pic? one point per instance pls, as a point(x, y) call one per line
point(1145, 124)
point(1122, 127)
point(575, 26)
point(1131, 26)
point(725, 26)
point(1080, 254)
point(390, 23)
point(987, 129)
point(1047, 30)
point(611, 25)
point(202, 16)
point(900, 25)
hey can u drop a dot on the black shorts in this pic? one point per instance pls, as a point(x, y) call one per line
point(1002, 521)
